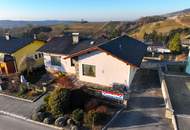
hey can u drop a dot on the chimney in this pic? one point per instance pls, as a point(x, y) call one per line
point(35, 37)
point(75, 37)
point(7, 36)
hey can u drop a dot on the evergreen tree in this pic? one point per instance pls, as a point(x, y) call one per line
point(175, 43)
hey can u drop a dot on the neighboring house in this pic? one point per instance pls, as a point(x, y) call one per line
point(15, 51)
point(186, 41)
point(98, 61)
point(158, 49)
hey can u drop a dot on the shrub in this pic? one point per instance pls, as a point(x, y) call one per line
point(46, 99)
point(74, 127)
point(70, 122)
point(61, 121)
point(89, 117)
point(78, 98)
point(22, 89)
point(91, 104)
point(94, 117)
point(48, 120)
point(41, 108)
point(59, 101)
point(32, 93)
point(102, 109)
point(38, 116)
point(100, 118)
point(78, 114)
point(65, 82)
point(61, 74)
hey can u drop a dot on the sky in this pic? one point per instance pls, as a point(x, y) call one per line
point(91, 10)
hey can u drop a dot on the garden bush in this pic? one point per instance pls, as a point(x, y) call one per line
point(78, 114)
point(102, 109)
point(41, 108)
point(38, 116)
point(22, 89)
point(78, 99)
point(70, 121)
point(59, 101)
point(61, 121)
point(33, 93)
point(100, 118)
point(48, 120)
point(89, 117)
point(65, 82)
point(61, 74)
point(93, 103)
point(94, 117)
point(74, 127)
point(46, 100)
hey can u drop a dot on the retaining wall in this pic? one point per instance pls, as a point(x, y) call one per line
point(169, 109)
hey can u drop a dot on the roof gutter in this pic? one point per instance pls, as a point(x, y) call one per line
point(100, 49)
point(82, 52)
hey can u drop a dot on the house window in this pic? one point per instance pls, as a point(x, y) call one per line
point(56, 60)
point(89, 70)
point(36, 56)
point(40, 55)
point(73, 61)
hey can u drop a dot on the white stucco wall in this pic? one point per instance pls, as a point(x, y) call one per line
point(65, 64)
point(109, 70)
point(133, 71)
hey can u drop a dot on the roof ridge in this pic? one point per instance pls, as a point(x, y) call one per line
point(110, 40)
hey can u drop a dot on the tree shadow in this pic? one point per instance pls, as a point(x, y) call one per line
point(133, 118)
point(145, 79)
point(146, 102)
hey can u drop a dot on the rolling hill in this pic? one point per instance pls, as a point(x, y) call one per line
point(173, 21)
point(15, 24)
point(160, 23)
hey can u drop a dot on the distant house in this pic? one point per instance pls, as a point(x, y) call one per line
point(158, 49)
point(15, 51)
point(98, 61)
point(186, 41)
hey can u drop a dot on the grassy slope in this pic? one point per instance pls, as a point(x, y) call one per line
point(185, 19)
point(99, 27)
point(78, 27)
point(162, 27)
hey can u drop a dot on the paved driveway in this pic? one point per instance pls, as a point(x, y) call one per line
point(146, 105)
point(8, 123)
point(18, 107)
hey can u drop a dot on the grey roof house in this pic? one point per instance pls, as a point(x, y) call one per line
point(99, 61)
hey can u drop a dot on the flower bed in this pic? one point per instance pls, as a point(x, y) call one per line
point(23, 91)
point(30, 91)
point(74, 108)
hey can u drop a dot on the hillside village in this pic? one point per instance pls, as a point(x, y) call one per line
point(98, 75)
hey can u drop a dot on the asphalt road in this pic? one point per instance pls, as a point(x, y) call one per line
point(146, 105)
point(8, 123)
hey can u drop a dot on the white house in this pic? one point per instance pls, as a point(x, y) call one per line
point(98, 61)
point(158, 49)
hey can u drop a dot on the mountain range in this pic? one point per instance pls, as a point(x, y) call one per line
point(13, 24)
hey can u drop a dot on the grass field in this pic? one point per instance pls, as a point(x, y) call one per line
point(97, 28)
point(162, 27)
point(80, 27)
